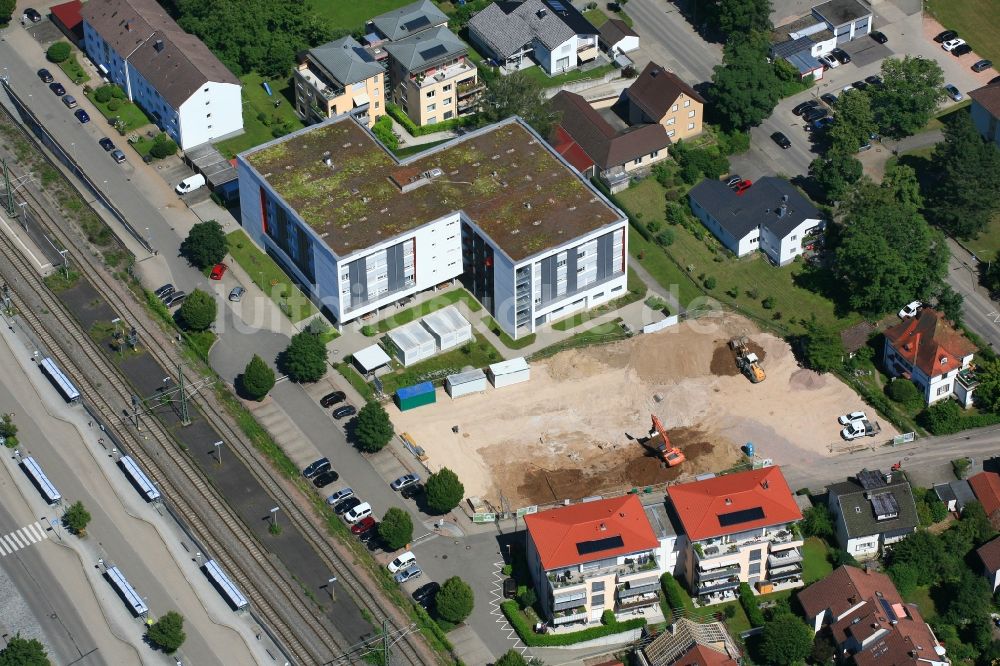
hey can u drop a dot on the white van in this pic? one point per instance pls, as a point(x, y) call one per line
point(190, 184)
point(360, 512)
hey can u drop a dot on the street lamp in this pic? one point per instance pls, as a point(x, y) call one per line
point(274, 517)
point(333, 591)
point(218, 451)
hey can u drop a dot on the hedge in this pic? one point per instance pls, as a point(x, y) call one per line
point(420, 130)
point(750, 607)
point(672, 591)
point(527, 635)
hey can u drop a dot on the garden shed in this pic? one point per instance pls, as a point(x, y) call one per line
point(371, 359)
point(464, 383)
point(505, 373)
point(417, 395)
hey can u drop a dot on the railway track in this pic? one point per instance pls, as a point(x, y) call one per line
point(408, 650)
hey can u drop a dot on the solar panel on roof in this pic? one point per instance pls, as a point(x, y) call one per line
point(870, 479)
point(887, 607)
point(434, 52)
point(597, 545)
point(885, 505)
point(418, 22)
point(556, 6)
point(741, 516)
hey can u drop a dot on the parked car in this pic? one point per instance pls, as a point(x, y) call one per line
point(218, 271)
point(860, 85)
point(910, 310)
point(846, 89)
point(401, 562)
point(339, 495)
point(236, 295)
point(190, 184)
point(404, 481)
point(733, 180)
point(829, 60)
point(878, 36)
point(853, 430)
point(59, 90)
point(961, 50)
point(853, 416)
point(82, 116)
point(32, 15)
point(829, 98)
point(363, 525)
point(782, 140)
point(331, 399)
point(743, 186)
point(424, 595)
point(841, 55)
point(952, 44)
point(346, 410)
point(409, 573)
point(325, 479)
point(815, 114)
point(45, 75)
point(982, 65)
point(175, 299)
point(945, 36)
point(409, 492)
point(509, 588)
point(804, 106)
point(106, 143)
point(164, 291)
point(315, 467)
point(345, 505)
point(117, 155)
point(953, 92)
point(874, 80)
point(358, 513)
point(822, 123)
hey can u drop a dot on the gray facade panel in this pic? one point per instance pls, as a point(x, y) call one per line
point(571, 267)
point(394, 266)
point(358, 276)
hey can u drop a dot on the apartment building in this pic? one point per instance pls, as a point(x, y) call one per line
point(496, 208)
point(741, 528)
point(590, 557)
point(336, 78)
point(170, 74)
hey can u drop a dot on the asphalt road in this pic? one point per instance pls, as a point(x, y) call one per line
point(981, 314)
point(668, 39)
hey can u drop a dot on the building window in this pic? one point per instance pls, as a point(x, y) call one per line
point(944, 389)
point(671, 121)
point(690, 126)
point(673, 108)
point(691, 113)
point(755, 557)
point(431, 107)
point(376, 104)
point(597, 586)
point(637, 160)
point(448, 114)
point(597, 600)
point(447, 88)
point(754, 569)
point(687, 103)
point(431, 93)
point(447, 100)
point(671, 132)
point(653, 154)
point(432, 120)
point(793, 237)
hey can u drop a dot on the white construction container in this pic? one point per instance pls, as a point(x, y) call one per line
point(412, 343)
point(449, 328)
point(464, 383)
point(505, 373)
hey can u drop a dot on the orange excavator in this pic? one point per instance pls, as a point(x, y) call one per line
point(659, 442)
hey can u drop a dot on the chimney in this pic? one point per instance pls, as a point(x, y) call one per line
point(541, 13)
point(158, 45)
point(782, 210)
point(327, 159)
point(764, 484)
point(654, 72)
point(944, 360)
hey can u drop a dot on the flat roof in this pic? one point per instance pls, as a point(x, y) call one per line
point(371, 357)
point(504, 177)
point(509, 366)
point(466, 377)
point(446, 320)
point(411, 336)
point(838, 12)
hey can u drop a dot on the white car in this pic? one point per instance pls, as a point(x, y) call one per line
point(853, 430)
point(910, 310)
point(850, 418)
point(829, 60)
point(401, 562)
point(360, 512)
point(952, 44)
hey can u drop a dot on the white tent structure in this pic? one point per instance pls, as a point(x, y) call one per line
point(464, 383)
point(412, 343)
point(505, 373)
point(371, 358)
point(449, 328)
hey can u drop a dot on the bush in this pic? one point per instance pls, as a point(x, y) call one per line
point(528, 636)
point(163, 146)
point(785, 640)
point(444, 490)
point(733, 142)
point(103, 94)
point(665, 238)
point(198, 311)
point(114, 105)
point(257, 379)
point(8, 430)
point(750, 606)
point(526, 597)
point(305, 358)
point(76, 518)
point(383, 131)
point(58, 52)
point(374, 429)
point(117, 92)
point(709, 283)
point(369, 331)
point(454, 600)
point(904, 392)
point(396, 528)
point(673, 592)
point(608, 617)
point(768, 303)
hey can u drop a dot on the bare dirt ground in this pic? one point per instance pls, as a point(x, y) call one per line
point(570, 431)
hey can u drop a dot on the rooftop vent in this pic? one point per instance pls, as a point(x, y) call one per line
point(728, 501)
point(784, 198)
point(527, 204)
point(603, 527)
point(354, 191)
point(541, 13)
point(158, 45)
point(654, 72)
point(327, 159)
point(537, 223)
point(764, 484)
point(944, 360)
point(782, 210)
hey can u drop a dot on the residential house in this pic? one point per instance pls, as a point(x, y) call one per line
point(986, 111)
point(594, 556)
point(613, 154)
point(689, 643)
point(660, 96)
point(869, 622)
point(741, 528)
point(986, 486)
point(989, 555)
point(550, 33)
point(771, 216)
point(615, 36)
point(339, 77)
point(934, 355)
point(406, 21)
point(872, 510)
point(955, 494)
point(172, 75)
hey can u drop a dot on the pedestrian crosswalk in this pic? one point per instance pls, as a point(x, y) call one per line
point(22, 538)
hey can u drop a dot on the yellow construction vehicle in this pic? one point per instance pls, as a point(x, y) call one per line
point(746, 360)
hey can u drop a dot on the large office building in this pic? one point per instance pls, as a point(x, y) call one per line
point(498, 208)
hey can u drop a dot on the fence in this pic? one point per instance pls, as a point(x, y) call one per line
point(660, 325)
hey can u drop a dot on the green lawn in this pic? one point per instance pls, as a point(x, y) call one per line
point(738, 623)
point(921, 596)
point(345, 15)
point(987, 245)
point(975, 20)
point(609, 331)
point(129, 112)
point(71, 67)
point(257, 104)
point(547, 81)
point(417, 311)
point(268, 276)
point(596, 16)
point(663, 270)
point(815, 563)
point(508, 342)
point(478, 354)
point(750, 274)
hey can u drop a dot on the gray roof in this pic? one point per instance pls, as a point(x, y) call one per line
point(409, 20)
point(791, 47)
point(659, 520)
point(756, 207)
point(426, 49)
point(963, 493)
point(851, 496)
point(838, 12)
point(613, 31)
point(346, 61)
point(506, 27)
point(175, 63)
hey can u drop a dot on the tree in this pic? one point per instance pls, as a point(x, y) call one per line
point(912, 257)
point(905, 576)
point(8, 431)
point(23, 652)
point(168, 632)
point(103, 94)
point(949, 302)
point(855, 123)
point(396, 528)
point(163, 146)
point(902, 181)
point(518, 94)
point(822, 348)
point(205, 244)
point(58, 52)
point(373, 429)
point(198, 311)
point(968, 598)
point(966, 194)
point(989, 274)
point(383, 130)
point(988, 391)
point(943, 417)
point(817, 521)
point(510, 658)
point(745, 88)
point(305, 358)
point(921, 550)
point(454, 600)
point(835, 174)
point(6, 10)
point(908, 97)
point(444, 490)
point(76, 518)
point(735, 18)
point(904, 392)
point(257, 379)
point(786, 640)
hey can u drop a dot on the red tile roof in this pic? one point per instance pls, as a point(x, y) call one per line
point(909, 642)
point(700, 655)
point(930, 342)
point(558, 533)
point(570, 150)
point(990, 554)
point(702, 504)
point(845, 588)
point(68, 13)
point(986, 486)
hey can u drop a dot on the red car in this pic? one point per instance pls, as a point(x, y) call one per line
point(363, 526)
point(742, 186)
point(218, 271)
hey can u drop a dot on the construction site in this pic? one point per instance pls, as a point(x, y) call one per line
point(648, 410)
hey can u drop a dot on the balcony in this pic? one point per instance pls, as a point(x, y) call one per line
point(709, 587)
point(324, 89)
point(784, 573)
point(578, 614)
point(439, 75)
point(641, 601)
point(721, 572)
point(470, 87)
point(784, 557)
point(778, 540)
point(623, 572)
